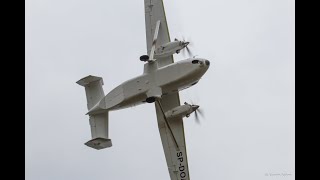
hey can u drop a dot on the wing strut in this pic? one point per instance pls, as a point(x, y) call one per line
point(168, 125)
point(154, 42)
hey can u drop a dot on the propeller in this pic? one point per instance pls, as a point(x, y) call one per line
point(196, 114)
point(186, 48)
point(196, 110)
point(188, 52)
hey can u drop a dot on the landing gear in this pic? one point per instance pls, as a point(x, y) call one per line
point(144, 58)
point(151, 99)
point(177, 51)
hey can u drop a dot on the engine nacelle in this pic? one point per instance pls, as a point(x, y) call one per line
point(169, 49)
point(181, 111)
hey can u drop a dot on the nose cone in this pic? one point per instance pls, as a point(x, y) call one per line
point(207, 62)
point(185, 44)
point(195, 107)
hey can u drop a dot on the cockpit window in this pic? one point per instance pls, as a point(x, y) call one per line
point(195, 62)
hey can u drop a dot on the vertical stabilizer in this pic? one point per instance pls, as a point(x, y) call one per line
point(99, 131)
point(94, 90)
point(99, 122)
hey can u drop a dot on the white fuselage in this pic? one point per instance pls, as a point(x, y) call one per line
point(171, 78)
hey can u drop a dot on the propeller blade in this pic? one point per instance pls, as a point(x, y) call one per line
point(186, 52)
point(197, 110)
point(200, 112)
point(183, 53)
point(189, 52)
point(196, 117)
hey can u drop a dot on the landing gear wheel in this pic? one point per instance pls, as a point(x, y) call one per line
point(177, 51)
point(151, 99)
point(144, 58)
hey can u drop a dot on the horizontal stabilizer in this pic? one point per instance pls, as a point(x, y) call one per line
point(99, 143)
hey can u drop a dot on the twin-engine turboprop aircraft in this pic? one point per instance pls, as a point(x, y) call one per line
point(160, 84)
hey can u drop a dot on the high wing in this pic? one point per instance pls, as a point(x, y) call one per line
point(154, 11)
point(176, 157)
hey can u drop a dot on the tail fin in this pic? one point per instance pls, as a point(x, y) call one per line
point(94, 90)
point(99, 131)
point(99, 123)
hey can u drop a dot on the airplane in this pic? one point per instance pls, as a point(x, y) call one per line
point(160, 84)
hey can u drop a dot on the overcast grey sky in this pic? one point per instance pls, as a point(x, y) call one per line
point(247, 94)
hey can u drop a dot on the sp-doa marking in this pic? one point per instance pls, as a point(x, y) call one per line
point(182, 173)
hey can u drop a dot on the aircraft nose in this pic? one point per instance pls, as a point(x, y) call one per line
point(207, 62)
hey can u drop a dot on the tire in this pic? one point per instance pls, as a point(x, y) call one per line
point(144, 58)
point(151, 99)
